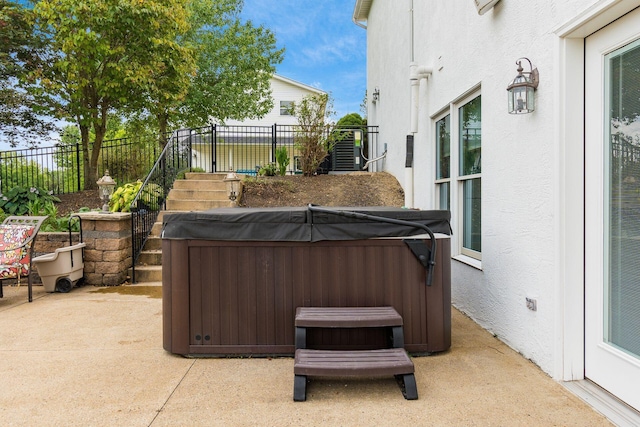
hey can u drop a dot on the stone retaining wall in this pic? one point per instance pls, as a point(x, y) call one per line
point(107, 255)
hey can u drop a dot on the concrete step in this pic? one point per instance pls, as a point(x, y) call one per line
point(202, 184)
point(147, 273)
point(161, 215)
point(204, 176)
point(198, 192)
point(196, 205)
point(156, 230)
point(190, 194)
point(154, 243)
point(150, 257)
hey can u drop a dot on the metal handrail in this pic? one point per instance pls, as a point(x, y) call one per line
point(151, 198)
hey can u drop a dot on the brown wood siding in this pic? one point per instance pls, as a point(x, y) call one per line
point(240, 297)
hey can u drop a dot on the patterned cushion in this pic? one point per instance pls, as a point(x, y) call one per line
point(14, 257)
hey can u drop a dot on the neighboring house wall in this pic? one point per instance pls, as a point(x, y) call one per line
point(245, 152)
point(531, 198)
point(282, 90)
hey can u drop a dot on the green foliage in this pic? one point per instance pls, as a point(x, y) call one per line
point(53, 223)
point(267, 170)
point(105, 56)
point(122, 198)
point(235, 62)
point(282, 157)
point(18, 200)
point(17, 170)
point(152, 195)
point(314, 138)
point(21, 113)
point(351, 120)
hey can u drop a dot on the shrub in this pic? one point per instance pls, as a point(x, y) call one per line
point(267, 170)
point(16, 201)
point(282, 157)
point(122, 198)
point(313, 136)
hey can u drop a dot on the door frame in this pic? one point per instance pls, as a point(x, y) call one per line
point(569, 348)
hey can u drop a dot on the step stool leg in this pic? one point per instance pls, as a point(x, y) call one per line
point(301, 337)
point(300, 388)
point(397, 337)
point(407, 383)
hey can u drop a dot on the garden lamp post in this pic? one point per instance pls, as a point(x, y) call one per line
point(106, 185)
point(232, 182)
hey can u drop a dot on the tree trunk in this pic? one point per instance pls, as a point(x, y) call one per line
point(163, 120)
point(100, 129)
point(89, 173)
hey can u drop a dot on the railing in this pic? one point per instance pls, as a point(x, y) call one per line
point(60, 168)
point(213, 148)
point(151, 197)
point(245, 149)
point(57, 168)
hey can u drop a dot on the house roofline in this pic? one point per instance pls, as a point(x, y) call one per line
point(361, 12)
point(298, 84)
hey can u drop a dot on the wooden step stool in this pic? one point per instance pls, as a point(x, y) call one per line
point(391, 361)
point(348, 317)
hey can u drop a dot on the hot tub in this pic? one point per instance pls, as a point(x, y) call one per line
point(233, 277)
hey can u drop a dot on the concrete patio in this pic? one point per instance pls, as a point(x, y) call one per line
point(94, 357)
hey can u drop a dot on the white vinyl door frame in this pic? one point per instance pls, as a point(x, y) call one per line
point(606, 365)
point(569, 323)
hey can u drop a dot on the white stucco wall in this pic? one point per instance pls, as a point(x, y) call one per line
point(522, 154)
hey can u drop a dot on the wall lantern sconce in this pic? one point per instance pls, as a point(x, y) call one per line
point(521, 89)
point(106, 185)
point(232, 181)
point(375, 95)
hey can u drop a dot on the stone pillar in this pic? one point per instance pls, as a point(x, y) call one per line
point(107, 256)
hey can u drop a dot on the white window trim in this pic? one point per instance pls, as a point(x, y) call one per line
point(459, 253)
point(287, 111)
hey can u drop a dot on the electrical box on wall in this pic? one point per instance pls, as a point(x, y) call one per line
point(483, 5)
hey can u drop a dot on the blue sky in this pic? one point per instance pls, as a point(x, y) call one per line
point(323, 47)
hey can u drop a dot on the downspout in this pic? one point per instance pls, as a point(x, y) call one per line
point(416, 75)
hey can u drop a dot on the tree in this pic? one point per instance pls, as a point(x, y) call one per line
point(106, 57)
point(313, 137)
point(234, 65)
point(21, 114)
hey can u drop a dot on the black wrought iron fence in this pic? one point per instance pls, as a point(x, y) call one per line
point(60, 168)
point(151, 197)
point(246, 149)
point(57, 168)
point(213, 148)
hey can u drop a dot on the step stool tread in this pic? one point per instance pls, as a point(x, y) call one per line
point(347, 317)
point(383, 362)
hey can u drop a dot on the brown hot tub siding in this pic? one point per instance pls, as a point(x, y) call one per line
point(223, 298)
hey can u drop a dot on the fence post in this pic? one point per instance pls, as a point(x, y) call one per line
point(214, 146)
point(274, 141)
point(78, 164)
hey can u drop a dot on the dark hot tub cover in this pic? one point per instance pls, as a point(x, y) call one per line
point(301, 224)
